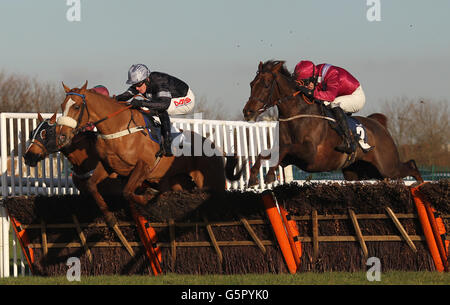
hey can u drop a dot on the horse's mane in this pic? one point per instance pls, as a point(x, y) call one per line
point(102, 96)
point(270, 64)
point(97, 93)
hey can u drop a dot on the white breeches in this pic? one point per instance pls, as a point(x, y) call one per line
point(350, 103)
point(182, 105)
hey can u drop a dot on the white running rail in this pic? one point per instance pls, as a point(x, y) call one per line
point(53, 175)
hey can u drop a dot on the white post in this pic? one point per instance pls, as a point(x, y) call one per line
point(4, 225)
point(12, 157)
point(288, 174)
point(20, 155)
point(4, 243)
point(28, 170)
point(3, 155)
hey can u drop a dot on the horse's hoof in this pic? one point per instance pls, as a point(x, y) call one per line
point(151, 192)
point(270, 178)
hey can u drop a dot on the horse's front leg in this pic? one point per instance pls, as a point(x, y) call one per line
point(98, 176)
point(270, 176)
point(253, 179)
point(136, 178)
point(306, 150)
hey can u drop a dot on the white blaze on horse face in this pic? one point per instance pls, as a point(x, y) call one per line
point(66, 120)
point(69, 104)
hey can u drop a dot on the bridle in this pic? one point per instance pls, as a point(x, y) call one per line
point(84, 106)
point(269, 102)
point(41, 142)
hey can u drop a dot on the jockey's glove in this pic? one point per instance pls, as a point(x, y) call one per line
point(136, 103)
point(306, 91)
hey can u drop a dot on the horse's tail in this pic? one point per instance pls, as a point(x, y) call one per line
point(411, 169)
point(380, 118)
point(232, 162)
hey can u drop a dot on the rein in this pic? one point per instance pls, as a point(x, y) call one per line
point(39, 144)
point(84, 106)
point(112, 115)
point(306, 116)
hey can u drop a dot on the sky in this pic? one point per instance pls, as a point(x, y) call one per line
point(215, 46)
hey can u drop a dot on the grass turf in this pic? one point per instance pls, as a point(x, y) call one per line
point(310, 278)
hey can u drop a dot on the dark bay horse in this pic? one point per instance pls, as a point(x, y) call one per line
point(83, 158)
point(125, 148)
point(307, 140)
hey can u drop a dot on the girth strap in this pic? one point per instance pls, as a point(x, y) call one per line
point(120, 133)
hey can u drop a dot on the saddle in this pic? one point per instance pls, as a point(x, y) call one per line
point(153, 128)
point(357, 129)
point(154, 131)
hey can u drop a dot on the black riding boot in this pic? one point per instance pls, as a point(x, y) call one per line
point(166, 141)
point(348, 144)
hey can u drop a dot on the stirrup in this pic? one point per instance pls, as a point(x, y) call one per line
point(167, 144)
point(168, 153)
point(366, 150)
point(161, 152)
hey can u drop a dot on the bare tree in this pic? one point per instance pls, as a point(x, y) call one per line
point(420, 129)
point(23, 94)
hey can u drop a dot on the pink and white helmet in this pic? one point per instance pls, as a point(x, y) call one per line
point(101, 89)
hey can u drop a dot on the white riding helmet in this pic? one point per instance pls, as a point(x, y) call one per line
point(137, 73)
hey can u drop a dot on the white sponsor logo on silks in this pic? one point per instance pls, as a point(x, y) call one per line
point(66, 120)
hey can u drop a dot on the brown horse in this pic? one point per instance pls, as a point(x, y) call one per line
point(43, 143)
point(124, 147)
point(307, 140)
point(83, 156)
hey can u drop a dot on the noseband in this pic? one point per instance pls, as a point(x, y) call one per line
point(70, 122)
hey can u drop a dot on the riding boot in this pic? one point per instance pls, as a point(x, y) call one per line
point(168, 144)
point(348, 144)
point(166, 141)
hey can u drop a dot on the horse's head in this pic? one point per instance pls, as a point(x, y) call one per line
point(42, 141)
point(75, 114)
point(264, 91)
